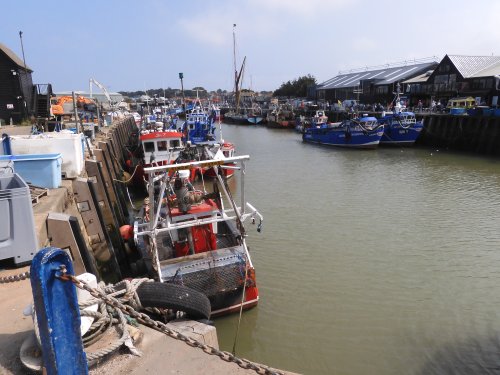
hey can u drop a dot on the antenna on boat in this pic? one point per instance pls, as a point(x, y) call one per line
point(397, 102)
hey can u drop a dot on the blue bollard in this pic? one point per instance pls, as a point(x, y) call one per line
point(58, 315)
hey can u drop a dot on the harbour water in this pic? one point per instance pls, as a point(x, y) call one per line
point(370, 262)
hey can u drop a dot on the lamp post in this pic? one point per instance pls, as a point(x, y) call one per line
point(181, 77)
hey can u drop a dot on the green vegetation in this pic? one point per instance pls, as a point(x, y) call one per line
point(296, 88)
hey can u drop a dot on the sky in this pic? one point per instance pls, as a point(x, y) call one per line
point(136, 45)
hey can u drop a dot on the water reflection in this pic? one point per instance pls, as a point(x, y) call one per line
point(473, 356)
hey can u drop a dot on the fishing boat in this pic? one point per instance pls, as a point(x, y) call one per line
point(188, 237)
point(238, 115)
point(226, 150)
point(194, 140)
point(401, 127)
point(364, 132)
point(255, 115)
point(278, 118)
point(199, 126)
point(154, 148)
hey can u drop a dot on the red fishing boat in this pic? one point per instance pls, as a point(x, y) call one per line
point(188, 237)
point(226, 150)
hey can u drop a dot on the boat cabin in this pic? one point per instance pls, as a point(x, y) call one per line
point(368, 122)
point(228, 150)
point(197, 116)
point(161, 146)
point(319, 118)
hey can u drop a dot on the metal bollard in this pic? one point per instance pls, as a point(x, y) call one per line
point(58, 315)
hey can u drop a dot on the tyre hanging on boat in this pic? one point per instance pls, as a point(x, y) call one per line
point(175, 297)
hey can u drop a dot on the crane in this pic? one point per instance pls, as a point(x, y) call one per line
point(101, 86)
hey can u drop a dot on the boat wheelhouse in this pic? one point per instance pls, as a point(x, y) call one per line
point(199, 125)
point(161, 148)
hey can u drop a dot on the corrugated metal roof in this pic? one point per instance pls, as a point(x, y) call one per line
point(420, 78)
point(476, 66)
point(11, 55)
point(380, 76)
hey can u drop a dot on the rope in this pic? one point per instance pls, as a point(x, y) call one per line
point(131, 177)
point(124, 291)
point(159, 326)
point(241, 307)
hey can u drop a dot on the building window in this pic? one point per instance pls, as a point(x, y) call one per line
point(443, 78)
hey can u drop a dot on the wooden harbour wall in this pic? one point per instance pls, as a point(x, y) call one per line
point(478, 134)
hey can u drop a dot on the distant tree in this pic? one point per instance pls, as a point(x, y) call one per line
point(296, 88)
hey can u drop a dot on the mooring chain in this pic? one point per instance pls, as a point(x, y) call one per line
point(159, 326)
point(14, 278)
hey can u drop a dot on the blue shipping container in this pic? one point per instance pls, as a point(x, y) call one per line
point(42, 170)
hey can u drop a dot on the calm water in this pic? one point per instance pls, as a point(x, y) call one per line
point(370, 262)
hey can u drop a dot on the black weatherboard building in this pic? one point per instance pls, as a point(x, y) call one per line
point(16, 87)
point(460, 76)
point(372, 84)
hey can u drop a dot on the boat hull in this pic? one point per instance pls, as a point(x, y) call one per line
point(254, 119)
point(226, 173)
point(397, 135)
point(236, 119)
point(281, 124)
point(218, 274)
point(340, 137)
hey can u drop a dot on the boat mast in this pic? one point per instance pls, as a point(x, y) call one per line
point(236, 91)
point(237, 76)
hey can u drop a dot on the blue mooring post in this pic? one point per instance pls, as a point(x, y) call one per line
point(58, 315)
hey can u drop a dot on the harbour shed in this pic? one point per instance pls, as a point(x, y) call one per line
point(460, 76)
point(372, 84)
point(16, 87)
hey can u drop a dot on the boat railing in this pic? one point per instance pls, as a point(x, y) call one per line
point(190, 220)
point(162, 174)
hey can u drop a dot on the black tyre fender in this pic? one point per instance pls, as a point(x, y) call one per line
point(175, 297)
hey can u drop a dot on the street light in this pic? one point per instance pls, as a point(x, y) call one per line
point(181, 76)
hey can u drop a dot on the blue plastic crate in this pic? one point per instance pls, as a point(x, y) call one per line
point(17, 225)
point(42, 170)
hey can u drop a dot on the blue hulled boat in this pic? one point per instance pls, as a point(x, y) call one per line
point(364, 132)
point(199, 126)
point(400, 128)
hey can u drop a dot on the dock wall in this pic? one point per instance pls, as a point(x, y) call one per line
point(478, 134)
